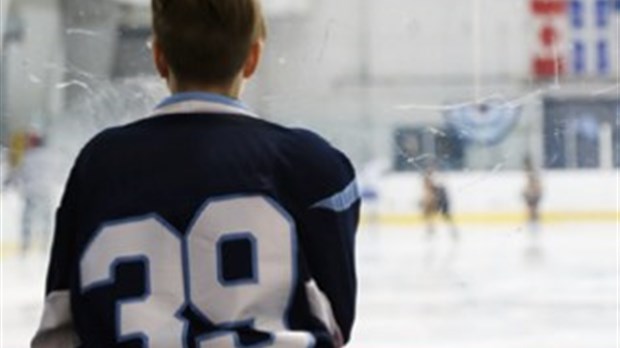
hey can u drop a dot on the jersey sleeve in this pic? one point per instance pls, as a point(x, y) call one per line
point(56, 328)
point(328, 226)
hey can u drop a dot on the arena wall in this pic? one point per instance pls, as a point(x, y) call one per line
point(496, 197)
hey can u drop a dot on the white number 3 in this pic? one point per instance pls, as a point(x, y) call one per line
point(183, 270)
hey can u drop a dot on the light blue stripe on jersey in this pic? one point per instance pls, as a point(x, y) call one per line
point(201, 96)
point(340, 201)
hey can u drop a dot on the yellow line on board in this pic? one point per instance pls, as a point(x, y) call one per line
point(12, 248)
point(494, 218)
point(8, 249)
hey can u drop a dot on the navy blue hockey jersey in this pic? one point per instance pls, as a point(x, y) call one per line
point(203, 226)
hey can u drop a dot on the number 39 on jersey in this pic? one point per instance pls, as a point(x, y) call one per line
point(198, 269)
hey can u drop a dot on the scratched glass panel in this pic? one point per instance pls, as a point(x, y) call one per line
point(485, 134)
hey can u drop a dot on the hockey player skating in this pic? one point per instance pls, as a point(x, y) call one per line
point(532, 194)
point(29, 174)
point(435, 201)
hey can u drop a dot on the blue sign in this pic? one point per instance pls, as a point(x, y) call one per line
point(602, 53)
point(576, 14)
point(579, 57)
point(602, 13)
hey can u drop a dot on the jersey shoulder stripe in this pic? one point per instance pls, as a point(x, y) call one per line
point(340, 201)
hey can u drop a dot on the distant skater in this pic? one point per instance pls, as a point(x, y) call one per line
point(29, 174)
point(532, 194)
point(435, 200)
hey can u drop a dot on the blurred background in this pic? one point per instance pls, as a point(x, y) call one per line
point(506, 114)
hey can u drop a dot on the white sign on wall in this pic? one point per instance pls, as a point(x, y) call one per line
point(272, 8)
point(285, 8)
point(136, 3)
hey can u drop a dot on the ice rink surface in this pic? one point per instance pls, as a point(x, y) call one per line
point(495, 288)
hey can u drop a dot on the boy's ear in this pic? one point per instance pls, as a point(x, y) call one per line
point(159, 59)
point(251, 63)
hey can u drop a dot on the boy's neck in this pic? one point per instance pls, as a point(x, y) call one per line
point(232, 91)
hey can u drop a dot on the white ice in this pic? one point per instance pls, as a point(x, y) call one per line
point(495, 288)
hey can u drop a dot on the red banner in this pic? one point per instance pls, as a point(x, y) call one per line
point(548, 67)
point(548, 7)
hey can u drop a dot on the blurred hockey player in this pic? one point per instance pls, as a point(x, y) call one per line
point(435, 200)
point(204, 225)
point(370, 182)
point(18, 142)
point(35, 188)
point(532, 194)
point(29, 174)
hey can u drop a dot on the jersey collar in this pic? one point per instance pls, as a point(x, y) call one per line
point(201, 102)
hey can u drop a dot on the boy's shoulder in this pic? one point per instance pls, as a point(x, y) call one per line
point(295, 141)
point(311, 143)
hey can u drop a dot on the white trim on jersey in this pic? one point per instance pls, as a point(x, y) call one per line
point(322, 310)
point(340, 201)
point(201, 106)
point(56, 327)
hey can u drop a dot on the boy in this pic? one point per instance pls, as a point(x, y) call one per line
point(204, 226)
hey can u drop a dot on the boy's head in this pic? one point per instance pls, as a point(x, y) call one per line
point(207, 42)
